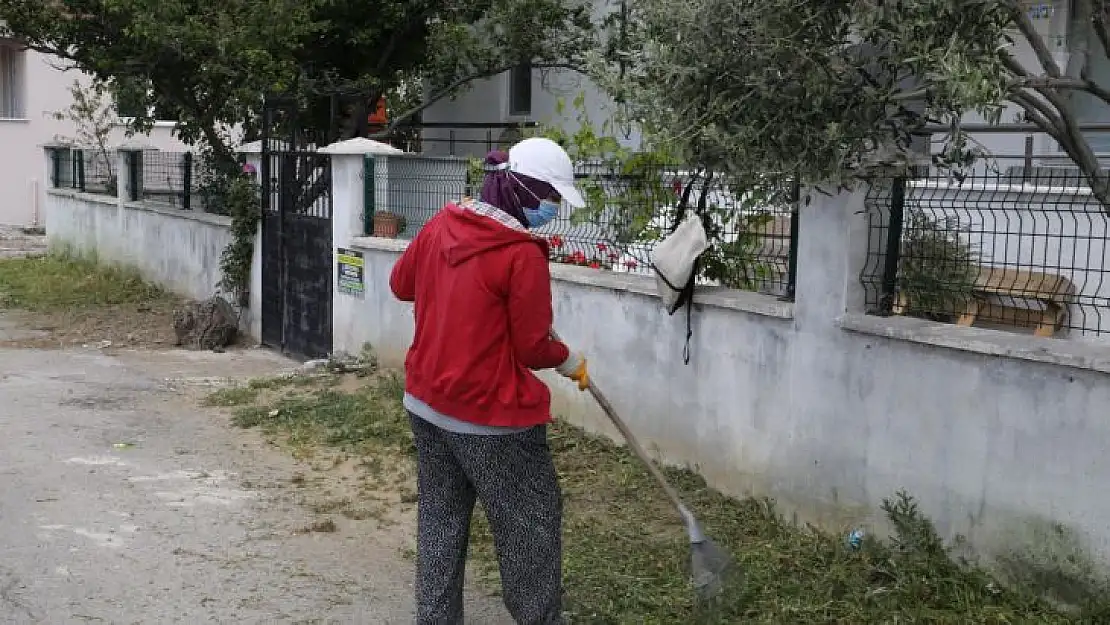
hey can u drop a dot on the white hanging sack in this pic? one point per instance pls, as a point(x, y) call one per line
point(674, 261)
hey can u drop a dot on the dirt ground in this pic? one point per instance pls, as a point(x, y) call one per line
point(125, 502)
point(125, 326)
point(122, 326)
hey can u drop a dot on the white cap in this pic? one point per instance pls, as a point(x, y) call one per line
point(544, 160)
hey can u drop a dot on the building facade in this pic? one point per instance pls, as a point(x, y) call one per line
point(34, 87)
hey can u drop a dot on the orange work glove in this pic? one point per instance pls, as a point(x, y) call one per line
point(575, 369)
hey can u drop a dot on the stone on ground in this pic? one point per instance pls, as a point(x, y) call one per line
point(211, 324)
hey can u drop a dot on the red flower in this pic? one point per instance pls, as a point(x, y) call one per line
point(578, 257)
point(631, 264)
point(595, 265)
point(602, 247)
point(556, 241)
point(613, 256)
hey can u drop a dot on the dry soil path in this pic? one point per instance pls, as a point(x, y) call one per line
point(122, 501)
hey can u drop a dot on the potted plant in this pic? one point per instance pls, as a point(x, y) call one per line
point(388, 225)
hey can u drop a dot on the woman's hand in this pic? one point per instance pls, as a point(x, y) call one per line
point(575, 369)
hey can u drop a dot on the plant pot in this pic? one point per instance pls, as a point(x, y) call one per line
point(388, 225)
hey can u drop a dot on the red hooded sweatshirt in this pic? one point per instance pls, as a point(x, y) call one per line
point(482, 293)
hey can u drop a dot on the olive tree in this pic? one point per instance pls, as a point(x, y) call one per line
point(832, 89)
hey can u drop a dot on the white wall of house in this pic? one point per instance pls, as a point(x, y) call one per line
point(33, 87)
point(491, 101)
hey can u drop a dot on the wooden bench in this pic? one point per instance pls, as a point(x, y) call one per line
point(1051, 290)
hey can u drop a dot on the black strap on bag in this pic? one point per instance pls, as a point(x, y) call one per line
point(686, 291)
point(685, 298)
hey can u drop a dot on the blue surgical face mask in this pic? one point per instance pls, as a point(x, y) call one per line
point(542, 215)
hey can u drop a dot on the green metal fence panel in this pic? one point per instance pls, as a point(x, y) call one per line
point(368, 197)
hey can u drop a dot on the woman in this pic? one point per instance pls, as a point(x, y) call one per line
point(482, 292)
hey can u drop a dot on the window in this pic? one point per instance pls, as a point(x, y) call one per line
point(520, 90)
point(11, 81)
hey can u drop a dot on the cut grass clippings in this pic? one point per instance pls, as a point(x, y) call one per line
point(53, 282)
point(625, 552)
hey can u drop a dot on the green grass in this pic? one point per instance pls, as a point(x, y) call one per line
point(625, 554)
point(232, 396)
point(251, 392)
point(367, 420)
point(51, 283)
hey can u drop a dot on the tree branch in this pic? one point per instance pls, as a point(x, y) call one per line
point(1040, 82)
point(1024, 98)
point(50, 50)
point(362, 107)
point(1081, 150)
point(1037, 115)
point(1094, 88)
point(1025, 26)
point(909, 95)
point(1098, 23)
point(395, 37)
point(1051, 113)
point(1084, 83)
point(1034, 115)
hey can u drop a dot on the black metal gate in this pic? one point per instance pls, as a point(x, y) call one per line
point(296, 237)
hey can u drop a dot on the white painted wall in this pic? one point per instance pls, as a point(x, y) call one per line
point(177, 249)
point(1001, 437)
point(824, 408)
point(45, 89)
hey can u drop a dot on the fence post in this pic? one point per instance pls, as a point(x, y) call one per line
point(368, 195)
point(187, 181)
point(79, 162)
point(1027, 170)
point(55, 167)
point(893, 249)
point(135, 167)
point(792, 253)
point(60, 168)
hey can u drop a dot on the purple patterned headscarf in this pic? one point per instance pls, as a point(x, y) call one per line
point(511, 193)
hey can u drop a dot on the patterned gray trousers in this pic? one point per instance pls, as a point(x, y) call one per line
point(514, 477)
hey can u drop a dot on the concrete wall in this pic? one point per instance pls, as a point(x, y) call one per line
point(46, 91)
point(1001, 437)
point(814, 403)
point(180, 250)
point(177, 249)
